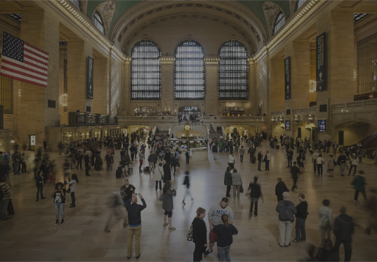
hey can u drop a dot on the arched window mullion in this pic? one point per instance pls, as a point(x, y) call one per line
point(279, 22)
point(189, 78)
point(98, 22)
point(233, 72)
point(145, 71)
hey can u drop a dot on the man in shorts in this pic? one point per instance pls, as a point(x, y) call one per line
point(214, 219)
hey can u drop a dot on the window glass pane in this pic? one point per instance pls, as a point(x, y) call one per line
point(6, 94)
point(189, 71)
point(280, 21)
point(76, 3)
point(233, 72)
point(300, 3)
point(97, 21)
point(145, 71)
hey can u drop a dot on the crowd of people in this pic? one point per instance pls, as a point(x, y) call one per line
point(162, 163)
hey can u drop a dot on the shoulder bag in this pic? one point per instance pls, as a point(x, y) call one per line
point(189, 236)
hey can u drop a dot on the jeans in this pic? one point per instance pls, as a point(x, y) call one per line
point(79, 163)
point(259, 164)
point(241, 158)
point(294, 184)
point(347, 249)
point(228, 191)
point(133, 231)
point(4, 208)
point(300, 229)
point(357, 195)
point(16, 166)
point(254, 200)
point(285, 231)
point(236, 191)
point(224, 253)
point(23, 167)
point(59, 206)
point(325, 232)
point(315, 165)
point(320, 169)
point(267, 164)
point(141, 164)
point(73, 199)
point(354, 172)
point(39, 190)
point(342, 165)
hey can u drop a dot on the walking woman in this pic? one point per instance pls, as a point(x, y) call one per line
point(72, 188)
point(354, 164)
point(224, 234)
point(158, 175)
point(325, 221)
point(199, 234)
point(167, 204)
point(331, 166)
point(39, 183)
point(59, 201)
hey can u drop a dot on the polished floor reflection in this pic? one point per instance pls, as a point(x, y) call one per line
point(31, 234)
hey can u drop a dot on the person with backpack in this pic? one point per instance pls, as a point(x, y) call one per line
point(199, 234)
point(186, 182)
point(5, 195)
point(72, 189)
point(325, 221)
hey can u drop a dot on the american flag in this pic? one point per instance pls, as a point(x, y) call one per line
point(23, 62)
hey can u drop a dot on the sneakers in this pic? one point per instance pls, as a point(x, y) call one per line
point(172, 228)
point(165, 224)
point(57, 222)
point(62, 222)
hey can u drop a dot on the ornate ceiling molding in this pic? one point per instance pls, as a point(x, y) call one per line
point(131, 35)
point(231, 9)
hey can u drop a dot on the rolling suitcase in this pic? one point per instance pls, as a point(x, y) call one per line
point(118, 172)
point(146, 169)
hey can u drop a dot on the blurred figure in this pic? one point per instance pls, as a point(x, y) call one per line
point(116, 211)
point(343, 230)
point(39, 183)
point(4, 202)
point(359, 185)
point(372, 210)
point(280, 188)
point(186, 182)
point(325, 221)
point(327, 253)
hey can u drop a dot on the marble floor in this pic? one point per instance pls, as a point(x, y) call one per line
point(32, 236)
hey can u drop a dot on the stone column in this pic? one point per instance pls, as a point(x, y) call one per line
point(41, 30)
point(100, 86)
point(76, 75)
point(253, 101)
point(167, 83)
point(211, 75)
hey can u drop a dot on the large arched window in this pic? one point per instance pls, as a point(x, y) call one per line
point(299, 4)
point(279, 22)
point(233, 72)
point(98, 22)
point(145, 71)
point(189, 71)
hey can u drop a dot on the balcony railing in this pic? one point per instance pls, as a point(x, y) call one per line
point(356, 104)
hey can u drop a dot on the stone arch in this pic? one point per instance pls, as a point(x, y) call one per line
point(271, 11)
point(106, 10)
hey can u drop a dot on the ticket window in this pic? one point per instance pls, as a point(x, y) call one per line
point(32, 139)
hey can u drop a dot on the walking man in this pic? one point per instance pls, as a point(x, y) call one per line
point(242, 152)
point(260, 156)
point(134, 224)
point(286, 210)
point(186, 182)
point(343, 230)
point(267, 160)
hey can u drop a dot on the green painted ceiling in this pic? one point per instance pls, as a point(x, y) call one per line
point(122, 5)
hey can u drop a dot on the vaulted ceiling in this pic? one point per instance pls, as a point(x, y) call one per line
point(255, 6)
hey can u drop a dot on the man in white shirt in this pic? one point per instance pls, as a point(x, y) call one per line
point(320, 163)
point(231, 161)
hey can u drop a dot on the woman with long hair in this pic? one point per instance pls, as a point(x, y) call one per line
point(72, 188)
point(167, 205)
point(224, 234)
point(199, 234)
point(59, 201)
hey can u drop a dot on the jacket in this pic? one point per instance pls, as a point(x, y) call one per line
point(260, 156)
point(294, 172)
point(134, 212)
point(228, 178)
point(255, 190)
point(280, 188)
point(343, 227)
point(302, 210)
point(158, 173)
point(152, 158)
point(330, 163)
point(216, 211)
point(325, 213)
point(286, 210)
point(167, 173)
point(225, 234)
point(167, 199)
point(236, 179)
point(359, 183)
point(199, 231)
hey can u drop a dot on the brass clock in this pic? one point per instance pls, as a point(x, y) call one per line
point(187, 127)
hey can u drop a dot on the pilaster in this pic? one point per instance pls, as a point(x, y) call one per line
point(211, 78)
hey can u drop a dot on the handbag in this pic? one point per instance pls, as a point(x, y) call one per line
point(189, 235)
point(241, 189)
